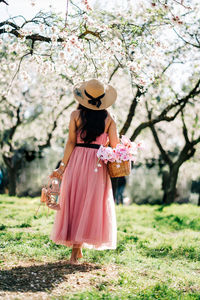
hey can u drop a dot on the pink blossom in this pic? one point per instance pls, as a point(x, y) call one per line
point(141, 145)
point(126, 150)
point(125, 141)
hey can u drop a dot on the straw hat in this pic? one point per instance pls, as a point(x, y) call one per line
point(92, 94)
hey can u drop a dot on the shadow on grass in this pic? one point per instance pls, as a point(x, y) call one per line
point(38, 278)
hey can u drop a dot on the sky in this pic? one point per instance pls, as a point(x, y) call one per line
point(24, 7)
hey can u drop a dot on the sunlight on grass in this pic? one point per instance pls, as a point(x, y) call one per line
point(157, 255)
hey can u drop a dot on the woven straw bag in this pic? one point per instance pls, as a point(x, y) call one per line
point(116, 169)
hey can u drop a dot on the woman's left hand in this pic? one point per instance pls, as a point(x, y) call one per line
point(56, 173)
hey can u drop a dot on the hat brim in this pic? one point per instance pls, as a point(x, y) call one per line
point(109, 98)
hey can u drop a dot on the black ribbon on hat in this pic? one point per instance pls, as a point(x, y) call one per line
point(94, 101)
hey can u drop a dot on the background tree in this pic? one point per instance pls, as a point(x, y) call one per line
point(100, 44)
point(170, 179)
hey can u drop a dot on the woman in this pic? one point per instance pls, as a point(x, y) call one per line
point(87, 214)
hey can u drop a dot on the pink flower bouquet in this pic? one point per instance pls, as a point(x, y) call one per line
point(124, 151)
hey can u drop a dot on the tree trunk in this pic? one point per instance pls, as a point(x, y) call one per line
point(12, 174)
point(199, 200)
point(12, 181)
point(169, 185)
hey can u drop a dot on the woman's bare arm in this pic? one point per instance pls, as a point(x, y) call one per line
point(71, 141)
point(113, 134)
point(69, 147)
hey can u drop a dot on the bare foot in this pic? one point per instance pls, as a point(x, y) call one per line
point(73, 261)
point(76, 253)
point(73, 258)
point(79, 254)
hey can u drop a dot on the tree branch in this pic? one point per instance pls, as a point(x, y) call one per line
point(163, 115)
point(131, 112)
point(18, 68)
point(38, 37)
point(113, 73)
point(66, 13)
point(55, 124)
point(191, 44)
point(164, 154)
point(196, 141)
point(8, 133)
point(185, 131)
point(94, 33)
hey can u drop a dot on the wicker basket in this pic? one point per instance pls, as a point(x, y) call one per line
point(116, 169)
point(50, 193)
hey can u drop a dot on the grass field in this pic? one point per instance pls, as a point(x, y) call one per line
point(158, 256)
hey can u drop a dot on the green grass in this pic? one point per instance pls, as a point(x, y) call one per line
point(157, 256)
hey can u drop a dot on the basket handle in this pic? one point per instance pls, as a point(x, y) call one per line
point(107, 143)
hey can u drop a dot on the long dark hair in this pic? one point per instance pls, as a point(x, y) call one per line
point(92, 123)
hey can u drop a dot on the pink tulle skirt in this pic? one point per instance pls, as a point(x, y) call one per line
point(87, 215)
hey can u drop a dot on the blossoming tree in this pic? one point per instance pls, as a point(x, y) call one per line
point(43, 57)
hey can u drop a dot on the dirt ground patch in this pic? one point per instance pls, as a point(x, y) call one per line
point(42, 281)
